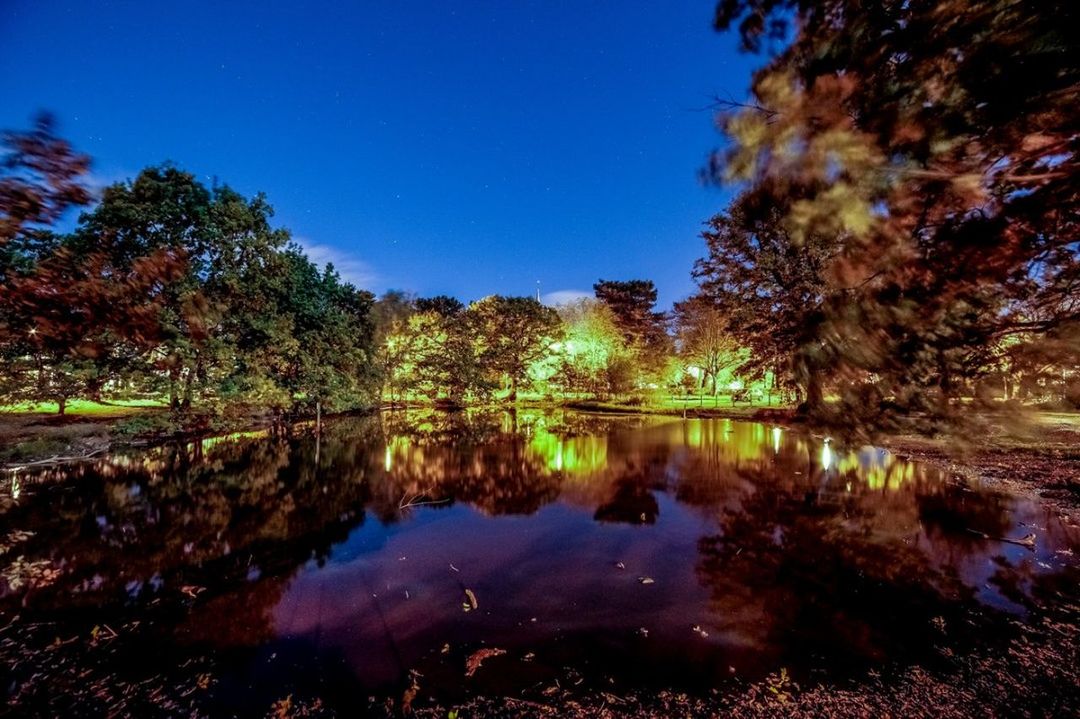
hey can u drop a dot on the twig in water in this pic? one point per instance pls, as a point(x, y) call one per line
point(1027, 541)
point(412, 502)
point(56, 459)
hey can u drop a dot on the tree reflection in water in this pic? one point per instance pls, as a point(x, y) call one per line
point(252, 561)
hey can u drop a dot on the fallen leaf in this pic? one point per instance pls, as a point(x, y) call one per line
point(192, 590)
point(477, 658)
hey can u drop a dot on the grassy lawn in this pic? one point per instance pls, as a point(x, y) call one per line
point(85, 407)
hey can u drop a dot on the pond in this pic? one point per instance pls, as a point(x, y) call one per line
point(501, 554)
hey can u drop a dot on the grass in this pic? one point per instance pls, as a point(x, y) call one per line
point(85, 407)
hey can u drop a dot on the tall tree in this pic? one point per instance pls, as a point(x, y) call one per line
point(633, 303)
point(230, 249)
point(706, 340)
point(937, 142)
point(594, 357)
point(768, 288)
point(512, 334)
point(442, 351)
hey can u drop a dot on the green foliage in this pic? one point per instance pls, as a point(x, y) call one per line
point(512, 334)
point(593, 357)
point(170, 287)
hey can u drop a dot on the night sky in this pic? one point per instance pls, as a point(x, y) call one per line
point(464, 148)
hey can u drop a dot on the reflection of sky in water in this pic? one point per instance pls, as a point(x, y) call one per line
point(774, 544)
point(548, 575)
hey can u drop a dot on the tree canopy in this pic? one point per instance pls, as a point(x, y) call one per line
point(931, 148)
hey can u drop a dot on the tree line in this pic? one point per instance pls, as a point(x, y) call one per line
point(169, 289)
point(610, 346)
point(166, 288)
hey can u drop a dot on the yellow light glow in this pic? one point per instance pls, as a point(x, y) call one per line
point(776, 432)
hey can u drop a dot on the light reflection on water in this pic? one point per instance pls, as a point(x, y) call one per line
point(345, 566)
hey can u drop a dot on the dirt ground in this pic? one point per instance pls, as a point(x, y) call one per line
point(1038, 457)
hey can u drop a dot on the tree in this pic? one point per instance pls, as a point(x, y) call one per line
point(936, 142)
point(593, 357)
point(441, 305)
point(76, 322)
point(69, 320)
point(334, 334)
point(706, 341)
point(767, 288)
point(218, 309)
point(633, 303)
point(513, 333)
point(390, 315)
point(441, 351)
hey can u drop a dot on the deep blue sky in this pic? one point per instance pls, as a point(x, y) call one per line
point(441, 147)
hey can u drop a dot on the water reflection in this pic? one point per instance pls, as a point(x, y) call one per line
point(337, 566)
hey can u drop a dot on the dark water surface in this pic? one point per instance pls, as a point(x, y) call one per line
point(602, 553)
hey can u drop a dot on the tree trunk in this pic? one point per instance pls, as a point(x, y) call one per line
point(61, 405)
point(185, 404)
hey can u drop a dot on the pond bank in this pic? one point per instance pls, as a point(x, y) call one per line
point(29, 439)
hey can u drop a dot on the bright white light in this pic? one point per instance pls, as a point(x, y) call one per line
point(826, 456)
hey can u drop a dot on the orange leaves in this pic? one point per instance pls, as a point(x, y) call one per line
point(73, 301)
point(472, 664)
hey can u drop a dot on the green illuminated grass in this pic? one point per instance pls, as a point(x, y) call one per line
point(85, 407)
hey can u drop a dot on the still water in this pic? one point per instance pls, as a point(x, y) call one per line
point(596, 552)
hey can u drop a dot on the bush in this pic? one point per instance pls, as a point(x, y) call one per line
point(145, 424)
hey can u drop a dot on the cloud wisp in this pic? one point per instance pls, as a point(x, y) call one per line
point(564, 297)
point(352, 270)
